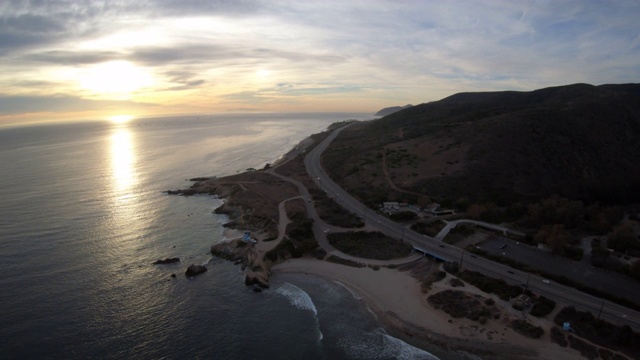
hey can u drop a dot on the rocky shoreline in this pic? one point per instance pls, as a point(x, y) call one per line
point(251, 203)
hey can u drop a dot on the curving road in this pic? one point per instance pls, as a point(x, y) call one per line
point(319, 227)
point(607, 310)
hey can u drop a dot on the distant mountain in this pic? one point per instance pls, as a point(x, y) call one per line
point(579, 141)
point(391, 110)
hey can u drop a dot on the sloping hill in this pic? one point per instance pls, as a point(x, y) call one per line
point(392, 109)
point(579, 141)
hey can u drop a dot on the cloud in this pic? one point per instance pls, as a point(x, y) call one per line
point(27, 30)
point(64, 57)
point(267, 52)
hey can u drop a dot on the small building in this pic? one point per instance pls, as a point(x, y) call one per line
point(522, 302)
point(392, 205)
point(566, 326)
point(247, 238)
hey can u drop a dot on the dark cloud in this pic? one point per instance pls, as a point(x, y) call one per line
point(209, 54)
point(179, 54)
point(182, 54)
point(74, 58)
point(31, 24)
point(207, 7)
point(27, 30)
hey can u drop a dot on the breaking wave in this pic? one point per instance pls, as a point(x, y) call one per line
point(379, 345)
point(297, 297)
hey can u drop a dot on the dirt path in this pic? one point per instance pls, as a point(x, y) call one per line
point(283, 221)
point(388, 178)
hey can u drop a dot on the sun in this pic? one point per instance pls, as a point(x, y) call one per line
point(114, 79)
point(119, 119)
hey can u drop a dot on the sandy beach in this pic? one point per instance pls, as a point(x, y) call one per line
point(396, 299)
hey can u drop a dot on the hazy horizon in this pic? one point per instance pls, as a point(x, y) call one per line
point(64, 60)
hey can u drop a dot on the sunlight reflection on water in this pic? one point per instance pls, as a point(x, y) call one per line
point(123, 159)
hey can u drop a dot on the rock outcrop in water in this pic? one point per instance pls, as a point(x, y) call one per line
point(238, 251)
point(194, 270)
point(166, 261)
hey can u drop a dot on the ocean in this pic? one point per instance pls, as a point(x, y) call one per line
point(84, 217)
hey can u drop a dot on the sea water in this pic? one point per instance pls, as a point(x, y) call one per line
point(84, 216)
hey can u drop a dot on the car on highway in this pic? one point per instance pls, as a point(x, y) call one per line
point(545, 281)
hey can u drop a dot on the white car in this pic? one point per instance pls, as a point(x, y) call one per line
point(545, 281)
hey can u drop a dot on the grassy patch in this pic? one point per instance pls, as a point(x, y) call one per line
point(299, 241)
point(332, 213)
point(369, 245)
point(458, 233)
point(491, 285)
point(522, 327)
point(429, 228)
point(459, 304)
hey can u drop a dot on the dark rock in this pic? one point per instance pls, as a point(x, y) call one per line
point(181, 192)
point(167, 261)
point(202, 178)
point(252, 279)
point(173, 275)
point(194, 270)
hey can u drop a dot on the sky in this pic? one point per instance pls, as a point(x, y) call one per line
point(86, 59)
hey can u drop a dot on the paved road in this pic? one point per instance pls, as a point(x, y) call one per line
point(319, 227)
point(579, 271)
point(452, 224)
point(611, 312)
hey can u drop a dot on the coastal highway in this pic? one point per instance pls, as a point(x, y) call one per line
point(606, 310)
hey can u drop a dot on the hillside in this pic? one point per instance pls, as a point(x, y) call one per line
point(392, 109)
point(579, 141)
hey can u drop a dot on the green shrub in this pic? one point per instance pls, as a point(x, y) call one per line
point(524, 328)
point(542, 307)
point(369, 245)
point(491, 285)
point(403, 216)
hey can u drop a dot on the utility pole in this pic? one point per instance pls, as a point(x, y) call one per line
point(364, 214)
point(600, 312)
